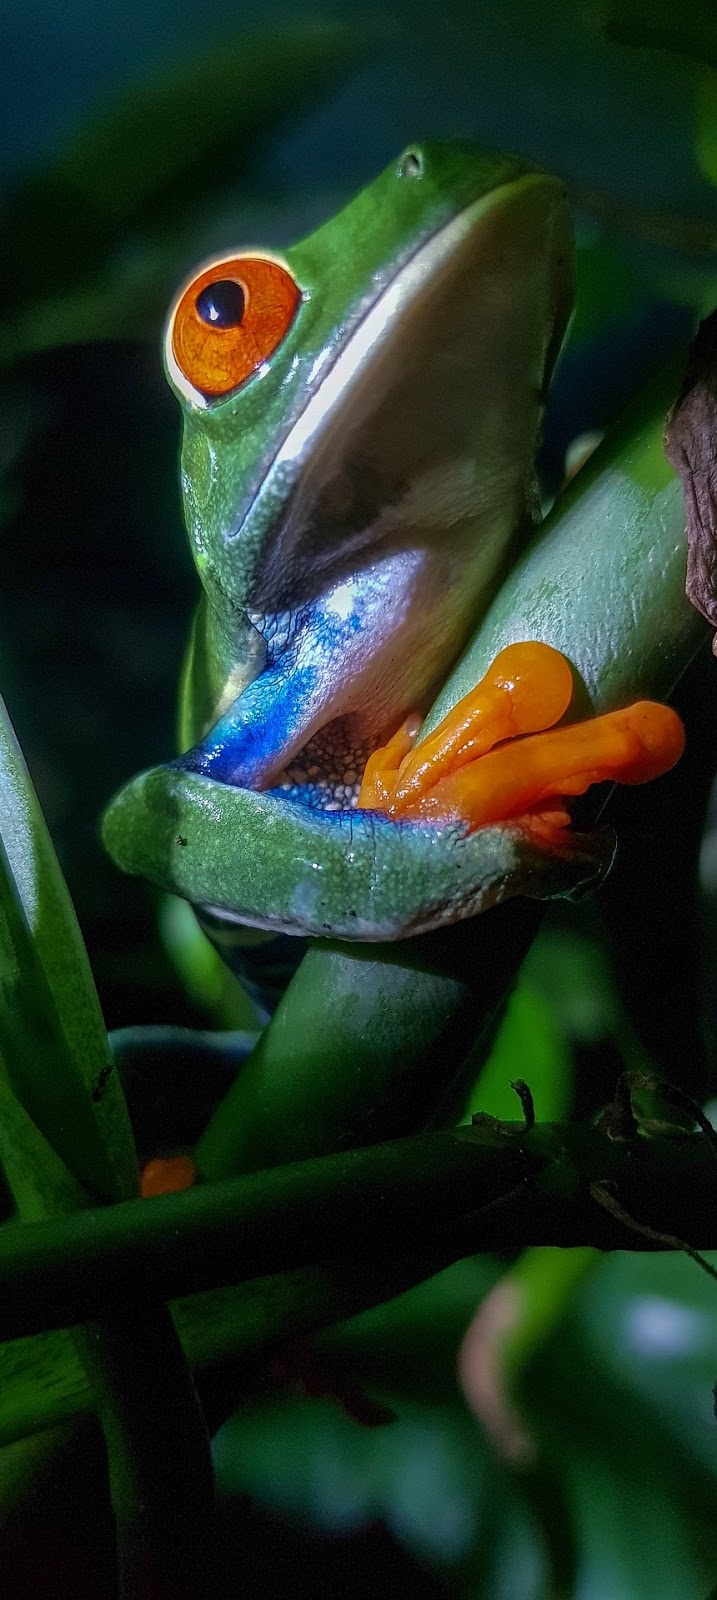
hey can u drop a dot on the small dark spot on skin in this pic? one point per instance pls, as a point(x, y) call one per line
point(180, 839)
point(410, 165)
point(99, 1085)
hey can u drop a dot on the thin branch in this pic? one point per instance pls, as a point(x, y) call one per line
point(673, 1095)
point(664, 1241)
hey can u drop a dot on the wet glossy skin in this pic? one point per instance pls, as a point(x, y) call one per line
point(360, 423)
point(352, 499)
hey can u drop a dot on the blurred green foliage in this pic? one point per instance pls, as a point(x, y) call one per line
point(621, 1400)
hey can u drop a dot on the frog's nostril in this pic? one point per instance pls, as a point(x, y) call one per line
point(410, 164)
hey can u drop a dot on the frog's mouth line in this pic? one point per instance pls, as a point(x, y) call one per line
point(447, 828)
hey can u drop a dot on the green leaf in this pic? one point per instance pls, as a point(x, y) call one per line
point(22, 1463)
point(689, 30)
point(43, 1380)
point(64, 1128)
point(608, 289)
point(40, 1183)
point(571, 972)
point(204, 975)
point(53, 1044)
point(194, 120)
point(407, 1347)
point(423, 1474)
point(706, 132)
point(531, 1045)
point(624, 1401)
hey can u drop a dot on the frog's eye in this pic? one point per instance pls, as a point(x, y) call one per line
point(230, 320)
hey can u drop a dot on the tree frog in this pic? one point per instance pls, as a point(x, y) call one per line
point(361, 417)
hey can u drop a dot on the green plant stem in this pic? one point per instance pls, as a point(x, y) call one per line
point(43, 1381)
point(161, 1478)
point(369, 1042)
point(452, 1193)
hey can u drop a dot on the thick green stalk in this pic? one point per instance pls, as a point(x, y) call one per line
point(604, 581)
point(371, 1041)
point(449, 1193)
point(367, 1043)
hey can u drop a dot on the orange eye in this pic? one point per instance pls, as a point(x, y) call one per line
point(230, 319)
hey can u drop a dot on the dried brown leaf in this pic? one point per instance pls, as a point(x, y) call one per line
point(691, 448)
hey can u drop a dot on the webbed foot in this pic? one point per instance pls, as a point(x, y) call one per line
point(498, 755)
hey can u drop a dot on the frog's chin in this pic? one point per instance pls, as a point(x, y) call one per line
point(268, 862)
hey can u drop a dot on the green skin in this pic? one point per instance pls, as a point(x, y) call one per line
point(408, 488)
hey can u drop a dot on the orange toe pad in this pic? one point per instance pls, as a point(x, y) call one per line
point(498, 754)
point(167, 1175)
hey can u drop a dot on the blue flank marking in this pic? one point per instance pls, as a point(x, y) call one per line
point(254, 733)
point(254, 730)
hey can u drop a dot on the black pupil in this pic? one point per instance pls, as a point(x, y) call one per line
point(222, 304)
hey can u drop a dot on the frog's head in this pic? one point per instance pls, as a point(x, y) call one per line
point(379, 384)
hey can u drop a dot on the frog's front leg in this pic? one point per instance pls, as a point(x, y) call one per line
point(499, 754)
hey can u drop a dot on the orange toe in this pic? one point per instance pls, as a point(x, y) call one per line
point(382, 768)
point(527, 688)
point(498, 755)
point(629, 746)
point(167, 1175)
